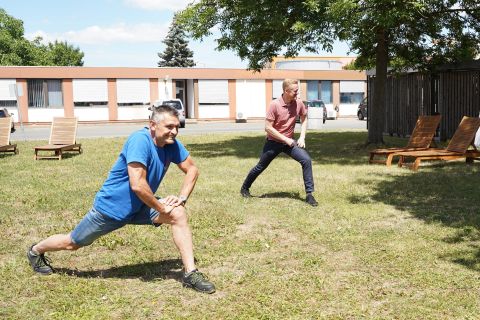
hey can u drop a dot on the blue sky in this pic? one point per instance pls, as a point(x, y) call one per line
point(118, 33)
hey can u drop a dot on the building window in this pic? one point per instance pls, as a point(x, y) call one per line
point(7, 97)
point(312, 89)
point(319, 90)
point(351, 92)
point(8, 103)
point(133, 92)
point(326, 91)
point(90, 92)
point(351, 97)
point(44, 93)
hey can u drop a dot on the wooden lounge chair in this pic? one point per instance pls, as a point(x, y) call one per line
point(62, 138)
point(5, 145)
point(421, 138)
point(457, 148)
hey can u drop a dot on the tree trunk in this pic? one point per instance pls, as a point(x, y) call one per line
point(378, 103)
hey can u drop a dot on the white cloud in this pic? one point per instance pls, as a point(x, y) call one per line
point(159, 4)
point(119, 33)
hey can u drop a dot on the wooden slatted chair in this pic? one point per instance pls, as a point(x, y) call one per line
point(457, 148)
point(63, 135)
point(5, 145)
point(421, 139)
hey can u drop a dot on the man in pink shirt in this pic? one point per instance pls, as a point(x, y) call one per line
point(280, 125)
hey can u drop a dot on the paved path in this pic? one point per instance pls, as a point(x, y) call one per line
point(41, 132)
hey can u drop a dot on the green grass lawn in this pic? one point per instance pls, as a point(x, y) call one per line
point(384, 243)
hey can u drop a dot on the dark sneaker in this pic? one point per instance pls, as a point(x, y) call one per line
point(245, 193)
point(196, 280)
point(311, 200)
point(40, 263)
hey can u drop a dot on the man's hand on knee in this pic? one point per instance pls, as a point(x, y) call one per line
point(172, 200)
point(170, 203)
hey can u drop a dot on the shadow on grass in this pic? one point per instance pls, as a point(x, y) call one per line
point(278, 195)
point(149, 271)
point(445, 193)
point(6, 155)
point(331, 147)
point(65, 155)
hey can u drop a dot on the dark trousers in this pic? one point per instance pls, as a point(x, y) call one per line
point(271, 150)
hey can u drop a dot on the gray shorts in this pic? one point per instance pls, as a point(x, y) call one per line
point(96, 224)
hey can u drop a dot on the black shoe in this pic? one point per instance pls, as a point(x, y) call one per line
point(245, 193)
point(311, 200)
point(196, 280)
point(39, 263)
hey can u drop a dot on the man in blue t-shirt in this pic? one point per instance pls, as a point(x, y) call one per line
point(127, 197)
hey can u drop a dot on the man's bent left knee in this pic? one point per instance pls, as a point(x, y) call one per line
point(177, 216)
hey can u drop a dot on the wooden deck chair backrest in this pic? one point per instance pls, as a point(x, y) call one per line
point(424, 131)
point(63, 131)
point(464, 135)
point(5, 125)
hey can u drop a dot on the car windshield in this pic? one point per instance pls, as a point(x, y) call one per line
point(317, 104)
point(174, 104)
point(3, 114)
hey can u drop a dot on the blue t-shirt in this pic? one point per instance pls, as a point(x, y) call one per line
point(116, 199)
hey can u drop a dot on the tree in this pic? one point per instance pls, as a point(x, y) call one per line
point(15, 50)
point(177, 53)
point(60, 53)
point(399, 33)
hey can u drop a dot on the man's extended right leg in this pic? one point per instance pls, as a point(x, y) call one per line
point(91, 227)
point(271, 150)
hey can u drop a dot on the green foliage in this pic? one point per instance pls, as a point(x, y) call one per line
point(60, 53)
point(419, 34)
point(177, 53)
point(259, 30)
point(15, 50)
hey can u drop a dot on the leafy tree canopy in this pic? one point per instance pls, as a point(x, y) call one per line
point(177, 53)
point(396, 33)
point(15, 50)
point(419, 33)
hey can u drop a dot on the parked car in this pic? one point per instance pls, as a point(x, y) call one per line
point(317, 104)
point(177, 104)
point(362, 109)
point(4, 114)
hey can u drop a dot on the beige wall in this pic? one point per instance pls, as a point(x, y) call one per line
point(112, 99)
point(67, 88)
point(23, 100)
point(336, 92)
point(232, 98)
point(173, 73)
point(22, 74)
point(153, 90)
point(268, 93)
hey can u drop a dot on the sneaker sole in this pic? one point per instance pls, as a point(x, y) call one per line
point(185, 285)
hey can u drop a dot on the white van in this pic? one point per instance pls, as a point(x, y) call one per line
point(177, 104)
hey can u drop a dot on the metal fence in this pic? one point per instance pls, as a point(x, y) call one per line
point(453, 91)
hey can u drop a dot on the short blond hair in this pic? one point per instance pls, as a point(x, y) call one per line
point(288, 82)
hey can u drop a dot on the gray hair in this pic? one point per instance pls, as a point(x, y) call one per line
point(159, 111)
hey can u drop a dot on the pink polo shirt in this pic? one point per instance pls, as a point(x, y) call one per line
point(283, 116)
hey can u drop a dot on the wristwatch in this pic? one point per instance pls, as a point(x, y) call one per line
point(183, 199)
